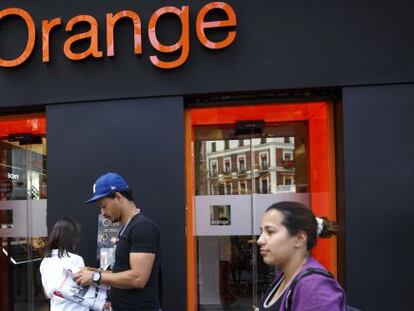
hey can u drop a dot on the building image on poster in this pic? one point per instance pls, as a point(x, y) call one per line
point(107, 238)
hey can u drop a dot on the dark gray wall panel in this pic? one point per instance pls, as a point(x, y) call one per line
point(379, 198)
point(279, 45)
point(143, 140)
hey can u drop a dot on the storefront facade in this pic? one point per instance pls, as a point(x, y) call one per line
point(211, 111)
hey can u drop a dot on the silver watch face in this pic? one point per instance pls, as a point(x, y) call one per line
point(95, 277)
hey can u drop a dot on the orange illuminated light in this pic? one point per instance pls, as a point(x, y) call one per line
point(22, 124)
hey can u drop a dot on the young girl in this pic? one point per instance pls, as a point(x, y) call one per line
point(289, 232)
point(63, 243)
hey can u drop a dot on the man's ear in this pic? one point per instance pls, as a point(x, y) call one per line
point(118, 196)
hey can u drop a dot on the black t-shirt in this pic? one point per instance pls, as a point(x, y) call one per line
point(140, 236)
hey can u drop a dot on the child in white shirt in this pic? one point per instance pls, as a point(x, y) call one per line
point(62, 245)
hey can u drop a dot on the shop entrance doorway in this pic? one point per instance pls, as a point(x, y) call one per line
point(240, 160)
point(23, 229)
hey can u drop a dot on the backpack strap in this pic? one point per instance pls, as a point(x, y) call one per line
point(309, 271)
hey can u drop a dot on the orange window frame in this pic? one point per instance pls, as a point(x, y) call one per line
point(319, 116)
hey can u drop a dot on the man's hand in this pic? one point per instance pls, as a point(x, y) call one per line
point(83, 277)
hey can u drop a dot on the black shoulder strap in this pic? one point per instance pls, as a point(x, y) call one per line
point(309, 271)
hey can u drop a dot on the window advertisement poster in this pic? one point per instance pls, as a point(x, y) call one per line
point(107, 238)
point(220, 215)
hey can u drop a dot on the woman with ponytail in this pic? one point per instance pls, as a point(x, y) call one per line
point(289, 231)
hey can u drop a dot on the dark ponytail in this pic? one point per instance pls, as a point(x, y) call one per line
point(326, 227)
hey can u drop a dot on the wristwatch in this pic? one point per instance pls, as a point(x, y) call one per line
point(96, 277)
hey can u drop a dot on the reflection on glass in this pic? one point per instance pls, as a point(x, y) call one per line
point(225, 166)
point(225, 273)
point(23, 194)
point(231, 275)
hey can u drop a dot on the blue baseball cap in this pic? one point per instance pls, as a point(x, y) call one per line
point(107, 184)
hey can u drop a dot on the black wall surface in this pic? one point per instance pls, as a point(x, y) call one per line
point(279, 45)
point(379, 198)
point(143, 140)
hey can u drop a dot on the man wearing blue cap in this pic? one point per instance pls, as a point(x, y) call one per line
point(135, 277)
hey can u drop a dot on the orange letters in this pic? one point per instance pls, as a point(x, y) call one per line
point(110, 24)
point(182, 45)
point(46, 28)
point(30, 41)
point(92, 34)
point(201, 25)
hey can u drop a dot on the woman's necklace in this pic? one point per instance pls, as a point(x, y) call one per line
point(285, 283)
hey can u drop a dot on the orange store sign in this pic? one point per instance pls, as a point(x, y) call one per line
point(182, 45)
